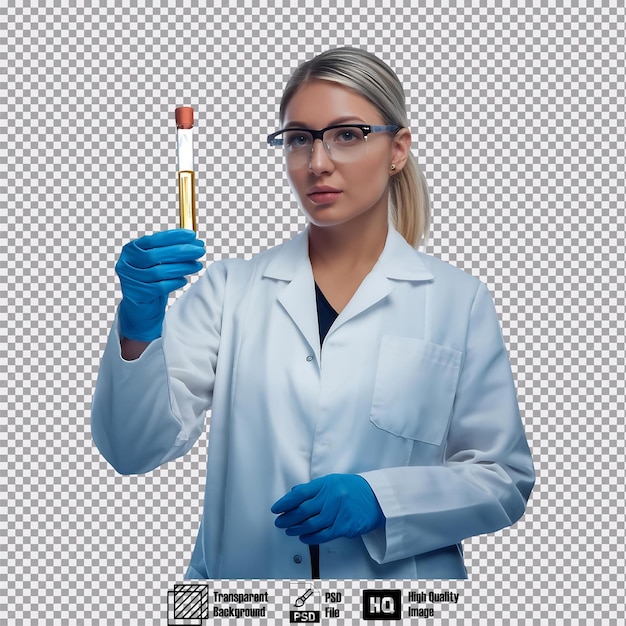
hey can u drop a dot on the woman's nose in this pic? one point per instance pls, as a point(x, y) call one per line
point(319, 160)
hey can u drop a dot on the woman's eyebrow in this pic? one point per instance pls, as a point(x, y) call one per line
point(339, 120)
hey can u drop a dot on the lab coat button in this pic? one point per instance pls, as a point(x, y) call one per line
point(309, 358)
point(297, 559)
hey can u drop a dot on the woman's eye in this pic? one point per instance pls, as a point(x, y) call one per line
point(347, 135)
point(297, 141)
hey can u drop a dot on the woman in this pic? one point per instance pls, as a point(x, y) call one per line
point(364, 416)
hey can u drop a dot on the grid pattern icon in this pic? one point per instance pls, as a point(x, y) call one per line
point(517, 116)
point(188, 604)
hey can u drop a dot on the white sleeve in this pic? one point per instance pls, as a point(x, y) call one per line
point(488, 473)
point(152, 410)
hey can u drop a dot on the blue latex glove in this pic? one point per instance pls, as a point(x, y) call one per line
point(150, 268)
point(337, 505)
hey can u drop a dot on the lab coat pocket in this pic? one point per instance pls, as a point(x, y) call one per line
point(415, 385)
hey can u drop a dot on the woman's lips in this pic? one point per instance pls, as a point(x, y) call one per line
point(324, 197)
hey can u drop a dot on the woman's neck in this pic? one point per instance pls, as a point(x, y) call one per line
point(347, 247)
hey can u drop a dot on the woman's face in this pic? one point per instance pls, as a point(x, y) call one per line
point(362, 185)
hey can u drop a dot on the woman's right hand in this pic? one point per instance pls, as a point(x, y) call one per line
point(149, 269)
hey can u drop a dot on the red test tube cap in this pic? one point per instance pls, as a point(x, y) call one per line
point(184, 117)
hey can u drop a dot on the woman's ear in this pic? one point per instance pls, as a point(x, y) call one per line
point(400, 149)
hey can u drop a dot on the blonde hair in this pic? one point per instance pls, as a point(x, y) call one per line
point(371, 78)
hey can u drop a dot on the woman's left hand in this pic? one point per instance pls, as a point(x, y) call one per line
point(337, 505)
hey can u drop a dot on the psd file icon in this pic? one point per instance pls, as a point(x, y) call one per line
point(304, 604)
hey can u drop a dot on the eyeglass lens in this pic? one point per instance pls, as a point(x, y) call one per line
point(341, 144)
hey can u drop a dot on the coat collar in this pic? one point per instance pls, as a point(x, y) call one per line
point(398, 259)
point(290, 262)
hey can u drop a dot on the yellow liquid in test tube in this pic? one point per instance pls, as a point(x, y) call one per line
point(187, 200)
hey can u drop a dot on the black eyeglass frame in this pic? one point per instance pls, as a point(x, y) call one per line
point(275, 140)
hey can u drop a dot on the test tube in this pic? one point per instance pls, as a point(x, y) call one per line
point(186, 176)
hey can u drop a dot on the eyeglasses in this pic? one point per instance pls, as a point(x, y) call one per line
point(344, 143)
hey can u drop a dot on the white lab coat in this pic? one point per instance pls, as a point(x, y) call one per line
point(412, 389)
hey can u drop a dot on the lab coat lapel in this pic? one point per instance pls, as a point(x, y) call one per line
point(398, 261)
point(298, 297)
point(373, 289)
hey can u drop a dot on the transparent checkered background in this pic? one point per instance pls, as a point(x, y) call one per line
point(517, 115)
